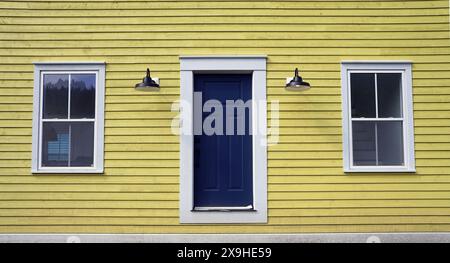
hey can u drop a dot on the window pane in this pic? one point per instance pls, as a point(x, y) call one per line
point(66, 141)
point(82, 142)
point(56, 88)
point(390, 143)
point(55, 144)
point(389, 95)
point(363, 95)
point(82, 96)
point(364, 148)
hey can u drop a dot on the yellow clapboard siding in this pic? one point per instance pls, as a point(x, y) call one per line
point(165, 204)
point(312, 29)
point(13, 221)
point(136, 4)
point(308, 190)
point(145, 37)
point(227, 20)
point(173, 188)
point(213, 43)
point(139, 188)
point(274, 58)
point(215, 12)
point(149, 213)
point(192, 50)
point(115, 176)
point(274, 196)
point(419, 68)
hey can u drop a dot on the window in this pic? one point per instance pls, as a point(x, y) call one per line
point(378, 117)
point(68, 118)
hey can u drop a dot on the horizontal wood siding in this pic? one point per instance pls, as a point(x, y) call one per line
point(308, 191)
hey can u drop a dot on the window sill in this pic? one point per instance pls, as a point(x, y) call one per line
point(68, 171)
point(380, 170)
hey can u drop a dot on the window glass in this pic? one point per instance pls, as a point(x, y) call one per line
point(82, 144)
point(389, 95)
point(363, 95)
point(55, 144)
point(390, 143)
point(82, 96)
point(56, 88)
point(364, 144)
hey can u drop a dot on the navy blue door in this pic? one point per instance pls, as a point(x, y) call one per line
point(223, 163)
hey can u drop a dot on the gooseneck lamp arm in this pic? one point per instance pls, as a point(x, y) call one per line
point(297, 83)
point(147, 82)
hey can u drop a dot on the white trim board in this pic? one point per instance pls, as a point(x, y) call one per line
point(218, 64)
point(431, 237)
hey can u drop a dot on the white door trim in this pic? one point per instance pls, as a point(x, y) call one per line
point(221, 64)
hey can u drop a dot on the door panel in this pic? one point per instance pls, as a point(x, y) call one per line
point(223, 174)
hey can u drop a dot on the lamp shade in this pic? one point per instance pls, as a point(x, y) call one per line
point(297, 83)
point(147, 83)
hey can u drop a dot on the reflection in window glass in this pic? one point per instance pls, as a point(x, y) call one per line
point(68, 144)
point(55, 144)
point(363, 95)
point(56, 88)
point(389, 95)
point(82, 96)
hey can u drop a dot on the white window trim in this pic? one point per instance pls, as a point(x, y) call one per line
point(69, 67)
point(223, 64)
point(404, 67)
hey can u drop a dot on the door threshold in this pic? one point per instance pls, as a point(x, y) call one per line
point(224, 209)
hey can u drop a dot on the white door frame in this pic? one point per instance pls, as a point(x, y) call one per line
point(223, 64)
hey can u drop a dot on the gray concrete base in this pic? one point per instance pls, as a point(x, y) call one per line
point(228, 238)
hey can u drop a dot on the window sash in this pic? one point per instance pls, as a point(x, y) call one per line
point(69, 119)
point(376, 119)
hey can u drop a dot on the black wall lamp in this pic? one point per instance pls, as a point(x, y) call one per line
point(148, 84)
point(297, 83)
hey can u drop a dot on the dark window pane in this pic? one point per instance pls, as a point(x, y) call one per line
point(364, 147)
point(55, 144)
point(56, 88)
point(66, 141)
point(389, 95)
point(363, 95)
point(390, 143)
point(82, 96)
point(82, 142)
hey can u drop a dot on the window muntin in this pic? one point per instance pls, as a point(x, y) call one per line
point(378, 130)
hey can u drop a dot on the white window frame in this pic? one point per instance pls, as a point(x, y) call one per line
point(41, 68)
point(403, 67)
point(224, 64)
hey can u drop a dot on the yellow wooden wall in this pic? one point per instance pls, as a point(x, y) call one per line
point(308, 191)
